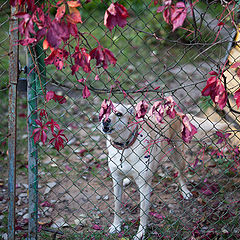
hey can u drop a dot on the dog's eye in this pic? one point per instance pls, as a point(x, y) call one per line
point(119, 114)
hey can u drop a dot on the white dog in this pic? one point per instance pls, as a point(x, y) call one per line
point(128, 156)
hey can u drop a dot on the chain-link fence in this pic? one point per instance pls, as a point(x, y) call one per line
point(69, 194)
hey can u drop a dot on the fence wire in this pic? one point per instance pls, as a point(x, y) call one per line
point(75, 187)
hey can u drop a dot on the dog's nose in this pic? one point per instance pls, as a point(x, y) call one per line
point(108, 120)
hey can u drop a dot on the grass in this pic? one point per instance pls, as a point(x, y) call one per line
point(134, 48)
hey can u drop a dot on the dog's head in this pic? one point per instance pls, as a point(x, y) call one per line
point(119, 119)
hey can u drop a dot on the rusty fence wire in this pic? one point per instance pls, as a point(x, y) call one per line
point(69, 194)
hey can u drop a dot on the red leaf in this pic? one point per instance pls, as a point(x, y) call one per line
point(222, 137)
point(210, 188)
point(57, 32)
point(86, 93)
point(50, 95)
point(220, 24)
point(45, 204)
point(26, 28)
point(60, 12)
point(115, 15)
point(141, 109)
point(97, 227)
point(238, 72)
point(13, 2)
point(22, 115)
point(68, 168)
point(173, 14)
point(52, 125)
point(189, 130)
point(157, 110)
point(82, 59)
point(45, 44)
point(156, 215)
point(58, 139)
point(235, 65)
point(106, 108)
point(43, 137)
point(81, 80)
point(237, 97)
point(39, 133)
point(175, 175)
point(215, 90)
point(57, 57)
point(74, 4)
point(213, 73)
point(74, 17)
point(178, 15)
point(103, 56)
point(57, 98)
point(74, 69)
point(81, 152)
point(27, 41)
point(169, 106)
point(60, 99)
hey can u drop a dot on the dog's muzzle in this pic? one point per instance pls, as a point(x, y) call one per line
point(107, 126)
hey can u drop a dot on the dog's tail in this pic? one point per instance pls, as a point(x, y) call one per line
point(206, 128)
point(207, 125)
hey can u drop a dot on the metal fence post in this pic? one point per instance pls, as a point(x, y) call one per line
point(32, 151)
point(13, 78)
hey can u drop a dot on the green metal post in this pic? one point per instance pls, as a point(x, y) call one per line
point(40, 55)
point(32, 150)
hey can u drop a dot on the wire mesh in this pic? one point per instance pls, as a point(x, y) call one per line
point(76, 197)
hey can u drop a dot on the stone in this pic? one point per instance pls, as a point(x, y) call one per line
point(47, 161)
point(51, 184)
point(22, 195)
point(72, 141)
point(47, 190)
point(25, 216)
point(96, 138)
point(81, 220)
point(106, 198)
point(60, 222)
point(98, 197)
point(224, 230)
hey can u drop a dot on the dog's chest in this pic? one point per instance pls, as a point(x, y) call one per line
point(134, 160)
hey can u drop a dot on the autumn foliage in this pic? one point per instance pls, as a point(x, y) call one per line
point(58, 31)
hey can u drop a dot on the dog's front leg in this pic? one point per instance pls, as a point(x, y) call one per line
point(117, 187)
point(145, 193)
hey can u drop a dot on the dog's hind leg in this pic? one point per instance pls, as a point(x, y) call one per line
point(145, 193)
point(117, 187)
point(180, 164)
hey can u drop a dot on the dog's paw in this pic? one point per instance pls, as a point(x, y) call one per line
point(140, 233)
point(138, 236)
point(115, 229)
point(187, 195)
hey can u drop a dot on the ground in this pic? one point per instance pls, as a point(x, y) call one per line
point(76, 196)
